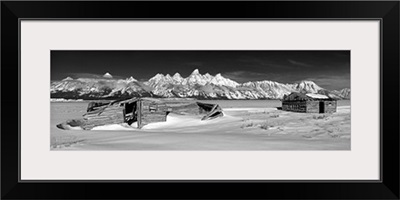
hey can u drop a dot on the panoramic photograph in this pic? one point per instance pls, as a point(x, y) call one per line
point(202, 100)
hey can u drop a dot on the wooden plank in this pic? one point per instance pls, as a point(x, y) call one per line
point(103, 122)
point(295, 106)
point(93, 123)
point(330, 106)
point(105, 110)
point(139, 113)
point(105, 118)
point(106, 115)
point(113, 110)
point(313, 106)
point(154, 118)
point(154, 113)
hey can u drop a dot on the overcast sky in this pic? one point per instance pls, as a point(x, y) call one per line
point(329, 69)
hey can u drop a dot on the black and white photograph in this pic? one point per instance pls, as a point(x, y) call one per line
point(102, 97)
point(200, 100)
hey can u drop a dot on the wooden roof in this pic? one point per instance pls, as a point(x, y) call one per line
point(296, 96)
point(129, 100)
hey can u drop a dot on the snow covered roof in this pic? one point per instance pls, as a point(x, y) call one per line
point(317, 96)
point(296, 96)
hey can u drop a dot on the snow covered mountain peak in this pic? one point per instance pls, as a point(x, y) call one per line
point(168, 78)
point(194, 78)
point(158, 77)
point(107, 75)
point(68, 79)
point(208, 77)
point(131, 79)
point(195, 72)
point(222, 81)
point(309, 86)
point(177, 77)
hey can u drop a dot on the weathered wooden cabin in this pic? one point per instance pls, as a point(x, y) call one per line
point(141, 110)
point(308, 103)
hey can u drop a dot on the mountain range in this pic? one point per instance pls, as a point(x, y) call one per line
point(196, 85)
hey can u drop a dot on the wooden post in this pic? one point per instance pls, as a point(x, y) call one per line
point(139, 113)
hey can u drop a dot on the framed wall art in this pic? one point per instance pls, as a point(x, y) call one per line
point(284, 96)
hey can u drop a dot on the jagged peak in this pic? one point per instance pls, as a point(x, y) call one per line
point(177, 75)
point(131, 79)
point(157, 77)
point(196, 71)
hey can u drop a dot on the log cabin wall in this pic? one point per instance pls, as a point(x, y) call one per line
point(108, 115)
point(309, 106)
point(295, 106)
point(150, 112)
point(330, 106)
point(312, 106)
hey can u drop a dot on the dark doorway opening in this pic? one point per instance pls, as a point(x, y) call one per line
point(130, 112)
point(321, 107)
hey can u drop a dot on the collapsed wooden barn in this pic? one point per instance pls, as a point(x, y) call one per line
point(143, 111)
point(308, 103)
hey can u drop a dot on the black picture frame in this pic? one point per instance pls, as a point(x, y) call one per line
point(385, 11)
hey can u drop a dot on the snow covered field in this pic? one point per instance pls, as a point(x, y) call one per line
point(246, 125)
